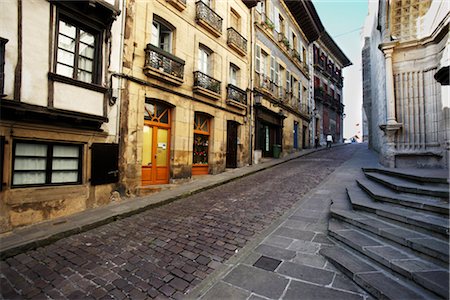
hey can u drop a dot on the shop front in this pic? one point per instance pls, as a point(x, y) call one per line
point(268, 132)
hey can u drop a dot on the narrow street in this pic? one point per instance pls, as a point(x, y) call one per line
point(165, 252)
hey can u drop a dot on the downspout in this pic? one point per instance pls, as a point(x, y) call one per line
point(18, 70)
point(120, 79)
point(252, 46)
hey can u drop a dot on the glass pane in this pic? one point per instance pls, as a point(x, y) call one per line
point(64, 70)
point(66, 151)
point(200, 153)
point(29, 178)
point(87, 38)
point(37, 164)
point(86, 51)
point(147, 146)
point(162, 113)
point(65, 164)
point(162, 147)
point(66, 43)
point(165, 39)
point(65, 57)
point(155, 34)
point(25, 149)
point(84, 76)
point(67, 29)
point(85, 64)
point(149, 110)
point(61, 177)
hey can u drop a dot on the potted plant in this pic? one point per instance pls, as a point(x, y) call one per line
point(269, 24)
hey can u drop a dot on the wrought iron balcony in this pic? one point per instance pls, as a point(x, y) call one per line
point(236, 94)
point(208, 18)
point(264, 82)
point(163, 65)
point(236, 41)
point(201, 80)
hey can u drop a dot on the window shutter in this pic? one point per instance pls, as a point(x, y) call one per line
point(276, 19)
point(288, 81)
point(104, 163)
point(258, 59)
point(155, 34)
point(272, 70)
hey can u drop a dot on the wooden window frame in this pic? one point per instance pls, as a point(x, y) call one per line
point(48, 163)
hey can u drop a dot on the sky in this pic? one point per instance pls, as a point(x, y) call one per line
point(344, 19)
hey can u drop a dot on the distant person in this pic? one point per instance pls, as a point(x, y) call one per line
point(329, 140)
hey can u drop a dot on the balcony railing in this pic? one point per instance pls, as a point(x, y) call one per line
point(236, 94)
point(234, 38)
point(264, 82)
point(164, 62)
point(204, 81)
point(209, 16)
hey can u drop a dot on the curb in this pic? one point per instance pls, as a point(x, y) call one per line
point(70, 226)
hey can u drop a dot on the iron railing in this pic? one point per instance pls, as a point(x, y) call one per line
point(163, 61)
point(205, 13)
point(206, 82)
point(236, 94)
point(236, 38)
point(264, 82)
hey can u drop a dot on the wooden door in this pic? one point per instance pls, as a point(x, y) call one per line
point(232, 128)
point(295, 135)
point(156, 145)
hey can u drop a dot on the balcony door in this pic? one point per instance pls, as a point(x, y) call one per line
point(156, 144)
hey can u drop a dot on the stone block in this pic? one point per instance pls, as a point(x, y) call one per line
point(384, 254)
point(306, 273)
point(313, 260)
point(297, 290)
point(304, 246)
point(278, 241)
point(256, 280)
point(436, 281)
point(295, 233)
point(346, 262)
point(275, 252)
point(407, 267)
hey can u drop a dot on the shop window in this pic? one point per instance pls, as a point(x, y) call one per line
point(105, 163)
point(36, 163)
point(201, 139)
point(162, 35)
point(77, 51)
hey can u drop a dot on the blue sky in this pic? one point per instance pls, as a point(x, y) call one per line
point(344, 21)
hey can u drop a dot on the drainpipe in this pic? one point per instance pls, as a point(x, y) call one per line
point(252, 46)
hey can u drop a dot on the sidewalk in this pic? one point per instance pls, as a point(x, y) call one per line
point(40, 234)
point(284, 261)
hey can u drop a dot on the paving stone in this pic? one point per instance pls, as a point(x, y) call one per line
point(256, 280)
point(256, 297)
point(278, 241)
point(322, 239)
point(313, 260)
point(356, 239)
point(267, 263)
point(294, 233)
point(306, 273)
point(348, 263)
point(400, 235)
point(304, 246)
point(385, 254)
point(223, 290)
point(275, 252)
point(436, 281)
point(179, 284)
point(408, 266)
point(342, 282)
point(310, 291)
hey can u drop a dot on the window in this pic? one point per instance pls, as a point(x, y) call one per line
point(46, 163)
point(201, 139)
point(288, 82)
point(264, 62)
point(305, 57)
point(204, 57)
point(235, 20)
point(207, 2)
point(258, 62)
point(234, 70)
point(77, 52)
point(292, 39)
point(274, 71)
point(260, 7)
point(161, 36)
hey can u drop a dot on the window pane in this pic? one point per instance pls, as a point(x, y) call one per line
point(87, 38)
point(85, 64)
point(67, 29)
point(65, 164)
point(87, 51)
point(22, 164)
point(64, 177)
point(84, 76)
point(66, 151)
point(25, 149)
point(29, 178)
point(65, 57)
point(64, 70)
point(66, 43)
point(155, 34)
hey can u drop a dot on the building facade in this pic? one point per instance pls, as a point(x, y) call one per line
point(185, 88)
point(329, 60)
point(58, 123)
point(281, 77)
point(406, 99)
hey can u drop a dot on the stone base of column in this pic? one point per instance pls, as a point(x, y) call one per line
point(387, 156)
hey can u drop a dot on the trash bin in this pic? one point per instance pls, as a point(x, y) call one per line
point(276, 151)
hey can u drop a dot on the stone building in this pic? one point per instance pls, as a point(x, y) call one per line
point(283, 31)
point(184, 95)
point(405, 75)
point(58, 123)
point(328, 61)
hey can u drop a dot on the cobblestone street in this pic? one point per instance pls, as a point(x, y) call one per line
point(166, 251)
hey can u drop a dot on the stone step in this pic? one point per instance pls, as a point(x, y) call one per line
point(376, 281)
point(399, 262)
point(421, 243)
point(403, 185)
point(420, 221)
point(378, 192)
point(418, 175)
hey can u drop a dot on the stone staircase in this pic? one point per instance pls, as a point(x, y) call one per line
point(393, 240)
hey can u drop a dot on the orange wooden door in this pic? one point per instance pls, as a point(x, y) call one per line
point(156, 146)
